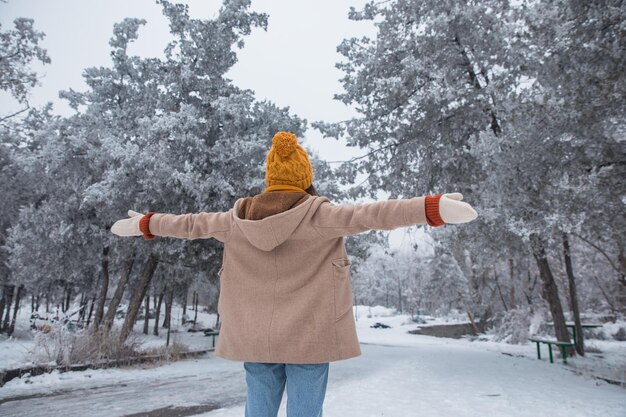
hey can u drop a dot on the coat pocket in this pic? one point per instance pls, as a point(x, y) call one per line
point(342, 287)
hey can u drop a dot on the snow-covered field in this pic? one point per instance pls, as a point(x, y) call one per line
point(398, 374)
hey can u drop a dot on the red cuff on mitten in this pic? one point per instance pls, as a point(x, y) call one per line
point(144, 226)
point(433, 218)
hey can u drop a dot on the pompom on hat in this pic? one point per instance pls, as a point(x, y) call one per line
point(288, 163)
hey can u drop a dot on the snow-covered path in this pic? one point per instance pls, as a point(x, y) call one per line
point(438, 378)
point(434, 377)
point(118, 392)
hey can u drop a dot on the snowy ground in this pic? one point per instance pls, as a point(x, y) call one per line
point(398, 374)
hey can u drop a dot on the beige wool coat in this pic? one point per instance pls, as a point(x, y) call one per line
point(285, 288)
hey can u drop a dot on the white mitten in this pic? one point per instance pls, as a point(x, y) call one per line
point(128, 227)
point(453, 210)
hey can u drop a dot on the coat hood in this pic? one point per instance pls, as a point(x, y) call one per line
point(269, 219)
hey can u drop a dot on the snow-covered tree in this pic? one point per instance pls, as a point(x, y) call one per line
point(170, 135)
point(518, 105)
point(19, 47)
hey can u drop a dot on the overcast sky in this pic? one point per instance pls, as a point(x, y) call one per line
point(292, 64)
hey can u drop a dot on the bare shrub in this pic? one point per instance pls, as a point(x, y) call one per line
point(172, 352)
point(513, 326)
point(95, 345)
point(54, 344)
point(66, 347)
point(620, 335)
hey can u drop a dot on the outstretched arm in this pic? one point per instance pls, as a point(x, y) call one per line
point(190, 226)
point(332, 220)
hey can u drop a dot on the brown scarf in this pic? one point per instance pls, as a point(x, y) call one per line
point(269, 203)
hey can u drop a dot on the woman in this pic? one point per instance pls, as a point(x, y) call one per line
point(285, 292)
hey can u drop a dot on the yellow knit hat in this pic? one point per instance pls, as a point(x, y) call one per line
point(288, 163)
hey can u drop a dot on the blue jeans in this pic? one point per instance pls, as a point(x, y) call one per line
point(306, 388)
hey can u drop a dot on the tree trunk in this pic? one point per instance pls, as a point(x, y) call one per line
point(550, 290)
point(495, 276)
point(80, 305)
point(169, 314)
point(166, 317)
point(529, 286)
point(469, 64)
point(484, 319)
point(157, 314)
point(621, 257)
point(620, 295)
point(84, 302)
point(104, 288)
point(580, 342)
point(94, 299)
point(2, 305)
point(185, 293)
point(15, 310)
point(93, 302)
point(109, 318)
point(9, 290)
point(68, 298)
point(195, 307)
point(512, 301)
point(138, 295)
point(472, 322)
point(146, 319)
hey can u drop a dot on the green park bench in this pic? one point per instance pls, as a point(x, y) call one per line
point(572, 327)
point(211, 333)
point(561, 345)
